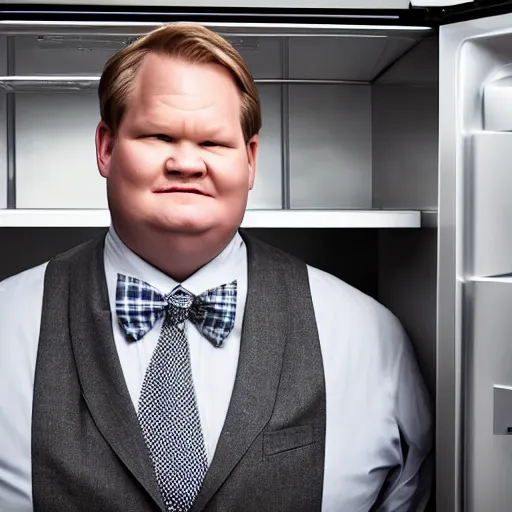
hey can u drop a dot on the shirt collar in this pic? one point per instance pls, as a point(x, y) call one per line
point(223, 269)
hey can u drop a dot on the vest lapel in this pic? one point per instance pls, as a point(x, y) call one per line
point(99, 370)
point(263, 341)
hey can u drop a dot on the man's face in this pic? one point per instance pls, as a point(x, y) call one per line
point(179, 163)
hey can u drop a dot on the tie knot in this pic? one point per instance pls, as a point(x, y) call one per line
point(179, 302)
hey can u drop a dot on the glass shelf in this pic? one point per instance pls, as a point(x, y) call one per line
point(253, 218)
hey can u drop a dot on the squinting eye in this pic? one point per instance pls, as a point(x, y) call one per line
point(163, 138)
point(209, 143)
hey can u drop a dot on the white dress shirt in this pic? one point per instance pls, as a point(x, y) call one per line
point(376, 400)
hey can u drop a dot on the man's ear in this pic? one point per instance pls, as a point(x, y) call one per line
point(252, 152)
point(104, 144)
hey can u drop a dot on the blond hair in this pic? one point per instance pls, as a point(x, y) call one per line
point(190, 42)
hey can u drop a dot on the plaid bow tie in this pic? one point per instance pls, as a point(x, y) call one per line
point(139, 305)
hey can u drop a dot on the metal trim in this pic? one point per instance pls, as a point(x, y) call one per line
point(11, 131)
point(285, 125)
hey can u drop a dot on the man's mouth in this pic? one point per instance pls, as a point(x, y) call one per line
point(182, 190)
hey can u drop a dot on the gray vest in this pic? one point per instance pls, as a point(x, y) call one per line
point(88, 453)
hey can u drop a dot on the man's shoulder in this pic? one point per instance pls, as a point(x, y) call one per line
point(334, 293)
point(23, 290)
point(21, 298)
point(346, 314)
point(24, 280)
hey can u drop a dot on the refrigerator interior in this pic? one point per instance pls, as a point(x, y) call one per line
point(350, 123)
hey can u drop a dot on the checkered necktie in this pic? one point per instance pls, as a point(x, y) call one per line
point(168, 412)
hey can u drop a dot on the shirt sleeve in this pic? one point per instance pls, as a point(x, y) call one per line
point(408, 487)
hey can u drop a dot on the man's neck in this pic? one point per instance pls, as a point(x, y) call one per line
point(177, 255)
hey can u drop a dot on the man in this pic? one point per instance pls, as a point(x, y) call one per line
point(177, 363)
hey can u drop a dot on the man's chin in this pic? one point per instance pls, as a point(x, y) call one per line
point(185, 226)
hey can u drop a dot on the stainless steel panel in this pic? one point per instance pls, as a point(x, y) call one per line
point(488, 456)
point(448, 384)
point(498, 105)
point(364, 55)
point(349, 58)
point(419, 66)
point(491, 205)
point(405, 146)
point(71, 55)
point(55, 154)
point(262, 55)
point(405, 106)
point(3, 127)
point(502, 410)
point(3, 150)
point(466, 63)
point(330, 146)
point(86, 54)
point(267, 191)
point(345, 4)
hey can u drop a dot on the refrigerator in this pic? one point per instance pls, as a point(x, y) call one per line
point(386, 159)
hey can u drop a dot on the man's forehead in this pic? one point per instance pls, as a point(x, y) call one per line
point(165, 85)
point(164, 72)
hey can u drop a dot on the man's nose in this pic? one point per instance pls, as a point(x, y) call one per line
point(185, 161)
